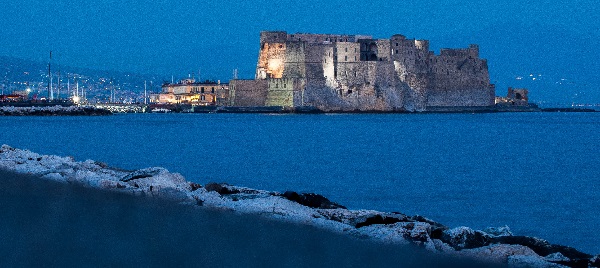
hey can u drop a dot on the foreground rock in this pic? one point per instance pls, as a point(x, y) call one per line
point(496, 245)
point(52, 111)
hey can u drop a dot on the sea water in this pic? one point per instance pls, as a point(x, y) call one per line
point(538, 173)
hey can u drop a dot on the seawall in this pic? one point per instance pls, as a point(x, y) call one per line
point(493, 245)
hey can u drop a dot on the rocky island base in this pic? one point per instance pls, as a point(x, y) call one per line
point(493, 245)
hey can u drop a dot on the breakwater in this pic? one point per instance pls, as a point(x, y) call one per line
point(496, 245)
point(52, 110)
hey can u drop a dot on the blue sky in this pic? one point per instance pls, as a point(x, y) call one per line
point(552, 38)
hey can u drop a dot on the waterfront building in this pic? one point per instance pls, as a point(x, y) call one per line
point(188, 91)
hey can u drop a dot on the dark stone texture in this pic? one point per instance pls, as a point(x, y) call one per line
point(221, 188)
point(541, 247)
point(583, 263)
point(437, 233)
point(595, 261)
point(378, 219)
point(195, 186)
point(311, 200)
point(100, 164)
point(466, 240)
point(142, 173)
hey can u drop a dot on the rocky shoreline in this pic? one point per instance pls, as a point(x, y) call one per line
point(52, 111)
point(495, 245)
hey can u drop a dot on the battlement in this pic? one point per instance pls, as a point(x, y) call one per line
point(325, 38)
point(273, 37)
point(282, 37)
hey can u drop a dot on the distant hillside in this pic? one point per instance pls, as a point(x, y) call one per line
point(16, 69)
point(21, 74)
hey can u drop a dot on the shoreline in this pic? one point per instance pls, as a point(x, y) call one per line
point(495, 245)
point(109, 109)
point(60, 224)
point(56, 110)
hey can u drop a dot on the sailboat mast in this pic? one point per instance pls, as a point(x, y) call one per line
point(49, 78)
point(68, 86)
point(58, 86)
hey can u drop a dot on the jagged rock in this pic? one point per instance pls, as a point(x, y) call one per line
point(349, 217)
point(530, 261)
point(496, 253)
point(378, 219)
point(498, 231)
point(541, 247)
point(311, 200)
point(557, 257)
point(574, 263)
point(417, 231)
point(100, 164)
point(221, 188)
point(437, 229)
point(143, 173)
point(195, 186)
point(390, 227)
point(465, 238)
point(595, 261)
point(5, 148)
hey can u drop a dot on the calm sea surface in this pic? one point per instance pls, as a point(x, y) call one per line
point(538, 173)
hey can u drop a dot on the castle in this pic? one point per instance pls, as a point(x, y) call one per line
point(356, 72)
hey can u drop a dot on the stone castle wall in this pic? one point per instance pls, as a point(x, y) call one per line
point(248, 92)
point(354, 72)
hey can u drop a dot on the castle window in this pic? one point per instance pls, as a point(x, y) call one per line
point(396, 51)
point(396, 44)
point(346, 49)
point(354, 58)
point(212, 90)
point(202, 90)
point(202, 97)
point(284, 85)
point(346, 58)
